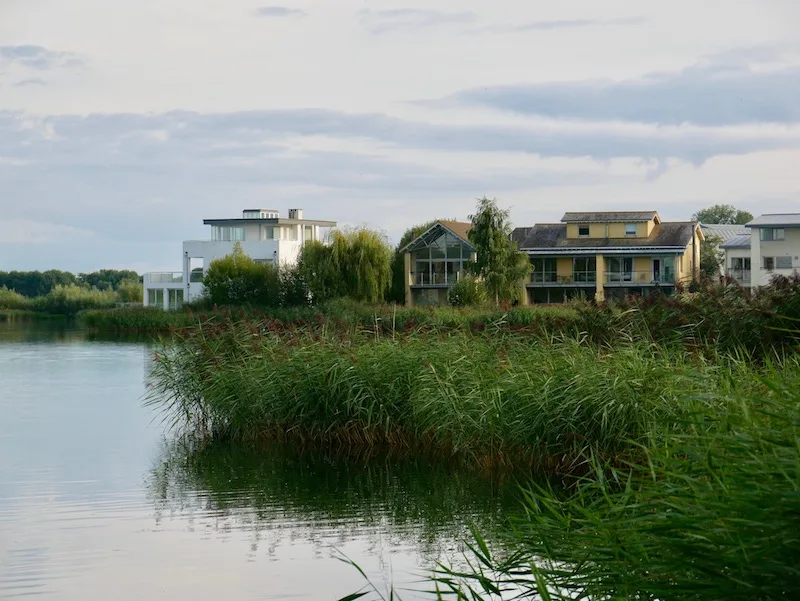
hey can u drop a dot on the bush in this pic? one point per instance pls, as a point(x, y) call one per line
point(467, 292)
point(70, 300)
point(238, 280)
point(10, 299)
point(130, 291)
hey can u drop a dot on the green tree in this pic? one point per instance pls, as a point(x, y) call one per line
point(711, 257)
point(320, 274)
point(499, 264)
point(237, 279)
point(130, 291)
point(107, 279)
point(364, 260)
point(722, 214)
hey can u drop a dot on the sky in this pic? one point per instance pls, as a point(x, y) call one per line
point(124, 124)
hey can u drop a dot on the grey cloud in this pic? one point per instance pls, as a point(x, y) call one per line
point(724, 91)
point(279, 12)
point(35, 81)
point(37, 57)
point(561, 24)
point(384, 21)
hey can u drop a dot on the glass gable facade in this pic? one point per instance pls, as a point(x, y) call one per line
point(439, 261)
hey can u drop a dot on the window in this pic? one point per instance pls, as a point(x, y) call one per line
point(783, 262)
point(263, 261)
point(309, 233)
point(769, 263)
point(224, 233)
point(155, 297)
point(630, 229)
point(441, 262)
point(769, 234)
point(584, 269)
point(175, 299)
point(543, 270)
point(583, 231)
point(267, 232)
point(619, 269)
point(286, 232)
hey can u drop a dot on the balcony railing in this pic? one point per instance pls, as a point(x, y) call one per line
point(549, 277)
point(436, 279)
point(740, 275)
point(638, 278)
point(163, 278)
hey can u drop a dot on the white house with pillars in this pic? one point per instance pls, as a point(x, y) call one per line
point(264, 236)
point(771, 248)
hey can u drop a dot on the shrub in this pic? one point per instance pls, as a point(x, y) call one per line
point(70, 300)
point(238, 280)
point(10, 299)
point(467, 292)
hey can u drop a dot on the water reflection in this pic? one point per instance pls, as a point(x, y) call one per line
point(63, 330)
point(279, 495)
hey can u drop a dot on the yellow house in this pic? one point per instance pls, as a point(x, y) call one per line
point(436, 260)
point(608, 254)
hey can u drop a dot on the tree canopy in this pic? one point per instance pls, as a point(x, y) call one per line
point(711, 257)
point(237, 279)
point(499, 264)
point(722, 214)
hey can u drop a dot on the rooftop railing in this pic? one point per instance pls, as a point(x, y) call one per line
point(163, 277)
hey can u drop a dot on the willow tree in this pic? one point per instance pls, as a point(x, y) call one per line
point(499, 264)
point(364, 261)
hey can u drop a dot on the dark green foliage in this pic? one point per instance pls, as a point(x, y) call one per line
point(238, 280)
point(724, 214)
point(467, 292)
point(107, 279)
point(711, 257)
point(498, 263)
point(36, 283)
point(320, 274)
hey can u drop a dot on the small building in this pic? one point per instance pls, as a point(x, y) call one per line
point(436, 260)
point(599, 255)
point(771, 248)
point(723, 233)
point(264, 236)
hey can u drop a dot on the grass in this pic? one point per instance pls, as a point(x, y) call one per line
point(710, 513)
point(488, 399)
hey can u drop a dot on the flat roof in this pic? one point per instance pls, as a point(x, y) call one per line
point(278, 221)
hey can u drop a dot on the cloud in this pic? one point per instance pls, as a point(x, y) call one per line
point(279, 12)
point(34, 81)
point(561, 24)
point(384, 21)
point(25, 232)
point(37, 57)
point(726, 90)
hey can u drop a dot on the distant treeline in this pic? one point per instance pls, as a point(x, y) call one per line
point(40, 283)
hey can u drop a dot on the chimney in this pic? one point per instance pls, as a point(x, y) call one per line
point(296, 214)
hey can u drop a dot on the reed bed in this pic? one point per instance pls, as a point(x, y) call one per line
point(489, 399)
point(711, 513)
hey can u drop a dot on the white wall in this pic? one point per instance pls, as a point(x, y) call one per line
point(788, 247)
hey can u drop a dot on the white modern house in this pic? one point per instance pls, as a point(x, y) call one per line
point(771, 248)
point(264, 236)
point(723, 233)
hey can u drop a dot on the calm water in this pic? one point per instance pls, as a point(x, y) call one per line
point(97, 501)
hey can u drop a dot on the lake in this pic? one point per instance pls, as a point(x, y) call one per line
point(99, 500)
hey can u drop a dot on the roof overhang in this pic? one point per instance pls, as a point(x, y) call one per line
point(432, 233)
point(667, 250)
point(278, 221)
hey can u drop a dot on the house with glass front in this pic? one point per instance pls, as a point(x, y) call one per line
point(601, 255)
point(435, 260)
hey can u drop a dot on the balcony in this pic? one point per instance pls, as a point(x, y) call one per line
point(740, 275)
point(436, 279)
point(638, 278)
point(164, 277)
point(578, 278)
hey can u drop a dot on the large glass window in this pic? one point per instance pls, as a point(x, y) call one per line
point(224, 233)
point(584, 269)
point(441, 262)
point(309, 233)
point(619, 269)
point(175, 298)
point(769, 234)
point(267, 232)
point(155, 297)
point(783, 262)
point(543, 269)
